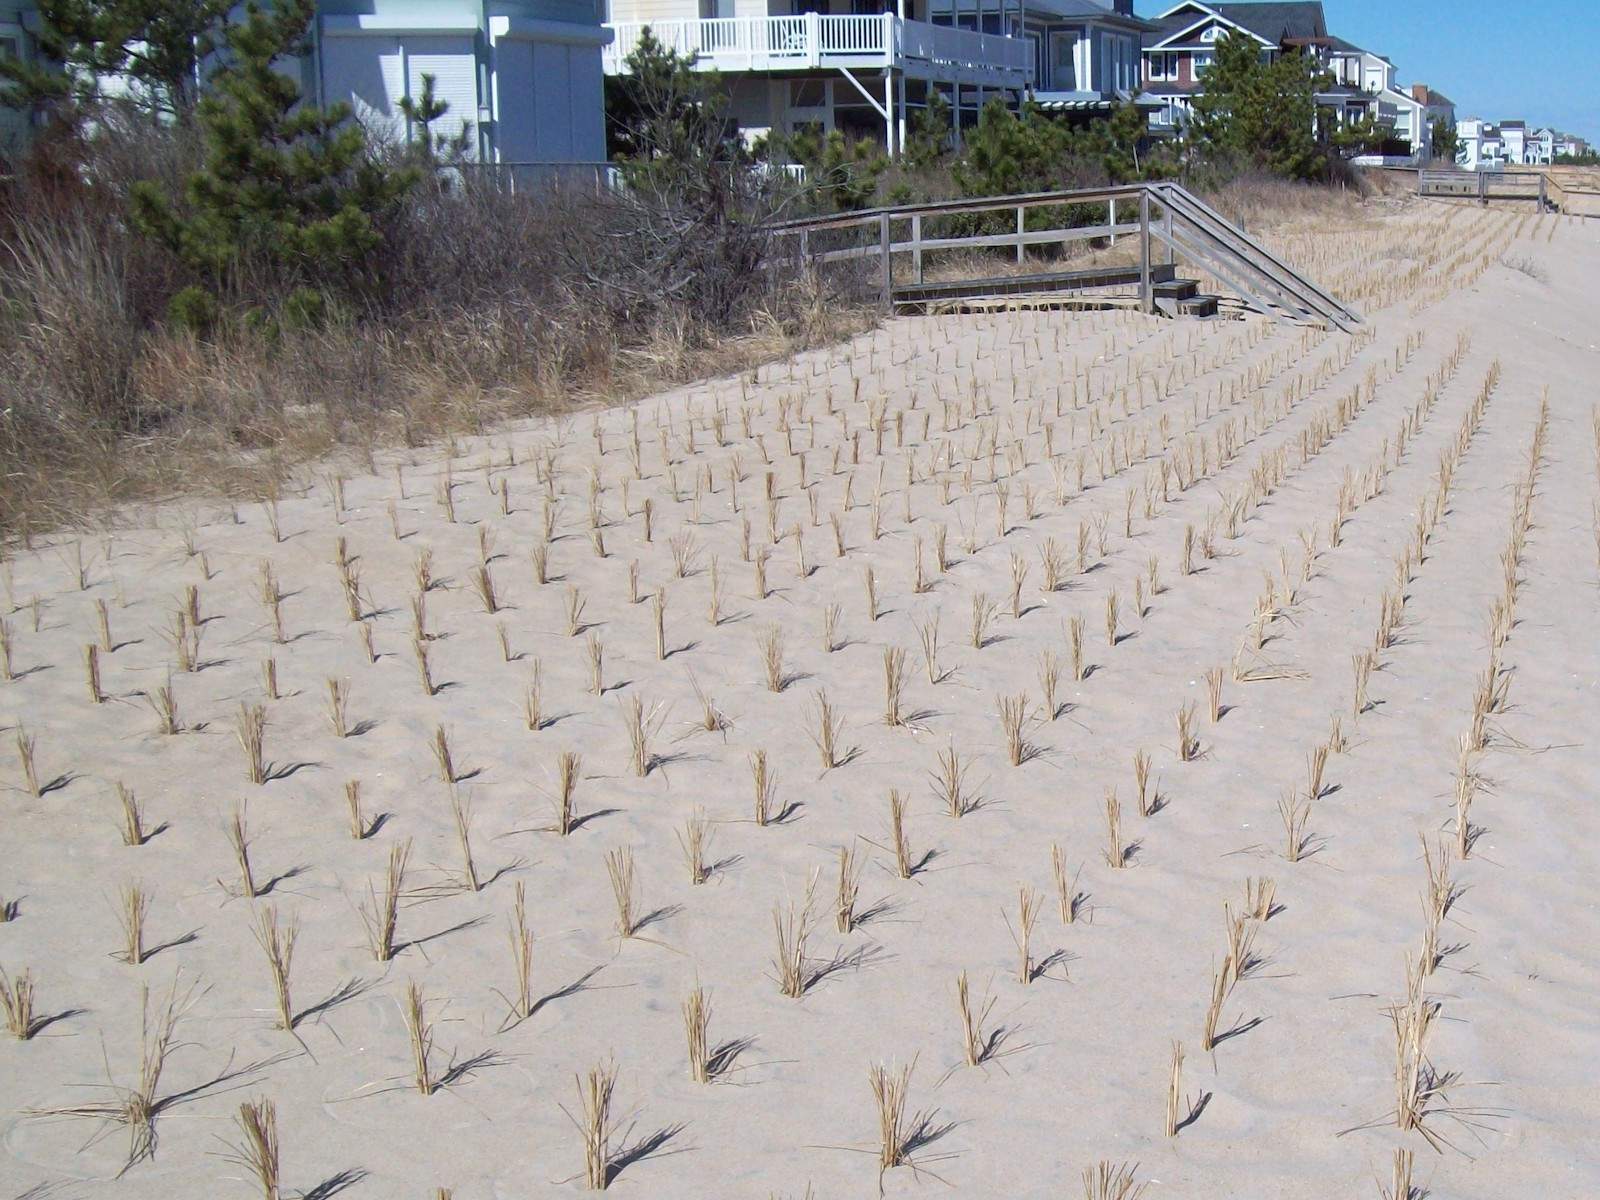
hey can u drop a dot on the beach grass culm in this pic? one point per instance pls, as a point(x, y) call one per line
point(520, 934)
point(1112, 1181)
point(237, 830)
point(1400, 1186)
point(763, 782)
point(772, 658)
point(793, 924)
point(891, 1090)
point(826, 727)
point(568, 766)
point(256, 1148)
point(419, 1032)
point(950, 782)
point(461, 817)
point(1175, 1090)
point(697, 1028)
point(597, 1123)
point(1141, 783)
point(847, 889)
point(974, 1042)
point(894, 685)
point(639, 722)
point(1214, 694)
point(1029, 902)
point(133, 828)
point(1213, 1017)
point(277, 940)
point(250, 726)
point(134, 1107)
point(357, 817)
point(1294, 812)
point(1188, 744)
point(899, 839)
point(624, 890)
point(1116, 849)
point(133, 910)
point(91, 672)
point(1013, 714)
point(1259, 895)
point(694, 839)
point(380, 910)
point(443, 759)
point(1066, 887)
point(17, 1004)
point(1049, 674)
point(338, 705)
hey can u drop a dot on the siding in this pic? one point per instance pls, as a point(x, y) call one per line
point(549, 110)
point(373, 72)
point(366, 72)
point(451, 60)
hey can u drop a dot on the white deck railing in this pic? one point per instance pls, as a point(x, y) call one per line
point(812, 40)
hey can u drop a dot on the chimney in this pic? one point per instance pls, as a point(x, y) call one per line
point(1419, 92)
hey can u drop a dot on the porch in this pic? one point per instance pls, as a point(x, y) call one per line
point(848, 42)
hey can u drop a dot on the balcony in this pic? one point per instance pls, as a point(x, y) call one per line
point(811, 41)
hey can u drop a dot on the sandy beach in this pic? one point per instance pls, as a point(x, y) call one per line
point(891, 545)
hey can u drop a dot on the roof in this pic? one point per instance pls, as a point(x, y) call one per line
point(1273, 21)
point(1439, 98)
point(1092, 9)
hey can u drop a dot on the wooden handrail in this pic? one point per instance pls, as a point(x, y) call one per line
point(936, 208)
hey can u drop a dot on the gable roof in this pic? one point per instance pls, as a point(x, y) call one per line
point(1272, 21)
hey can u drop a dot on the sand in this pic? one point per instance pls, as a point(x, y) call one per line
point(1296, 1099)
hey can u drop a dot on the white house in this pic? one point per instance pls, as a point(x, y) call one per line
point(1365, 84)
point(1482, 146)
point(1479, 146)
point(522, 77)
point(865, 66)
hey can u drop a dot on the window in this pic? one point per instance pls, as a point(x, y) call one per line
point(1202, 64)
point(1211, 34)
point(1063, 61)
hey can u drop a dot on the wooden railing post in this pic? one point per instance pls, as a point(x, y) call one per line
point(1483, 187)
point(1146, 297)
point(916, 245)
point(886, 279)
point(1022, 251)
point(1111, 218)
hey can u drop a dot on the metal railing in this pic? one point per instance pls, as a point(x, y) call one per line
point(812, 40)
point(1157, 214)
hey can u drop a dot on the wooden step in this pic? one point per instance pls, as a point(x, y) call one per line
point(1198, 306)
point(1011, 285)
point(1176, 289)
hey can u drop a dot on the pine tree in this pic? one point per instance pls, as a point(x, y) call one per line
point(157, 46)
point(430, 147)
point(1258, 113)
point(287, 190)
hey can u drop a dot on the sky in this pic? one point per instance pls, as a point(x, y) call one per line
point(1532, 59)
point(1497, 59)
